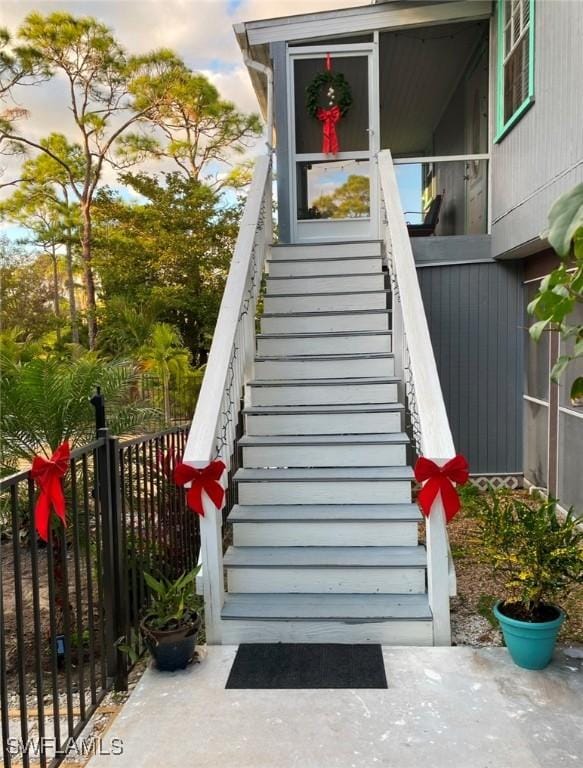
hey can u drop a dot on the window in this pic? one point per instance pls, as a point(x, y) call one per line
point(515, 61)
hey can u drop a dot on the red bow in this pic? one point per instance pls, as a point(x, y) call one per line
point(48, 474)
point(206, 480)
point(329, 117)
point(441, 479)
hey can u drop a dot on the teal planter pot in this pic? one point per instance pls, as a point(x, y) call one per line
point(530, 645)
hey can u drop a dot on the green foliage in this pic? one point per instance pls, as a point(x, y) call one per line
point(46, 401)
point(192, 125)
point(484, 608)
point(559, 299)
point(170, 252)
point(326, 80)
point(350, 200)
point(173, 602)
point(537, 553)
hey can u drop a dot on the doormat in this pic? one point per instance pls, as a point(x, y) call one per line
point(307, 665)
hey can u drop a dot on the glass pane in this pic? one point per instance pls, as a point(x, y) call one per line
point(536, 427)
point(570, 479)
point(352, 128)
point(516, 78)
point(536, 356)
point(335, 189)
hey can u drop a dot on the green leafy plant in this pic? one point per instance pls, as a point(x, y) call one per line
point(561, 292)
point(538, 554)
point(174, 603)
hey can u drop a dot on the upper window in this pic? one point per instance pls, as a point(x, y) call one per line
point(515, 61)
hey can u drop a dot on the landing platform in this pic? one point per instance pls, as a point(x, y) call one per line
point(444, 707)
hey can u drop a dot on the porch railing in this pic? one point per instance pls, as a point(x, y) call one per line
point(415, 363)
point(230, 366)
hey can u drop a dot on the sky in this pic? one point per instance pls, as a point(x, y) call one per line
point(200, 31)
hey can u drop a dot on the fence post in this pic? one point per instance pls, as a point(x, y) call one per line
point(114, 586)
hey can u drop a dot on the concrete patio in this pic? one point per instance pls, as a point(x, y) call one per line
point(455, 707)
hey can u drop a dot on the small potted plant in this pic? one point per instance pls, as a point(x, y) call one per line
point(170, 623)
point(539, 556)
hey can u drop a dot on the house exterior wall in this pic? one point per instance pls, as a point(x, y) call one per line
point(475, 315)
point(541, 156)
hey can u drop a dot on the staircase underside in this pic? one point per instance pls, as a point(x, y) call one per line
point(325, 536)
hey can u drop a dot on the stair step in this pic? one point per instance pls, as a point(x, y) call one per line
point(339, 607)
point(326, 250)
point(324, 366)
point(314, 528)
point(323, 419)
point(384, 570)
point(308, 301)
point(277, 286)
point(330, 343)
point(323, 391)
point(325, 485)
point(359, 450)
point(325, 322)
point(339, 265)
point(322, 513)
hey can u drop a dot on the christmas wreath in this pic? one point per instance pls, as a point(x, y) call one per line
point(328, 99)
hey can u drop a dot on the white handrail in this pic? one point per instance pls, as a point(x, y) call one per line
point(416, 364)
point(229, 367)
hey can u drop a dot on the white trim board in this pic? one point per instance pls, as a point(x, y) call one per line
point(369, 18)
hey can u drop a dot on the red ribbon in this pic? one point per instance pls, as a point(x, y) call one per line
point(329, 118)
point(206, 479)
point(441, 480)
point(48, 474)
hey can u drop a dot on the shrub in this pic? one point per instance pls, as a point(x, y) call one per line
point(538, 554)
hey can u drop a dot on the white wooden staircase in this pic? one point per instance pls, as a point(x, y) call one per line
point(325, 537)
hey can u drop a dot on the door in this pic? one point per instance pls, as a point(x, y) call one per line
point(477, 142)
point(334, 196)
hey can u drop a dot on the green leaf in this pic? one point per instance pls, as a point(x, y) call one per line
point(577, 392)
point(537, 329)
point(154, 584)
point(559, 367)
point(565, 218)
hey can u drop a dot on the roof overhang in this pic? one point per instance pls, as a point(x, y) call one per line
point(254, 37)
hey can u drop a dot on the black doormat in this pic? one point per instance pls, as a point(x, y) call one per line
point(307, 665)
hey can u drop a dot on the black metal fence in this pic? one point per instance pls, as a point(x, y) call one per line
point(70, 608)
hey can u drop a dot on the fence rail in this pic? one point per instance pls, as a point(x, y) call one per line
point(66, 606)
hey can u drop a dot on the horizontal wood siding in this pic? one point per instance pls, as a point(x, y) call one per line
point(542, 155)
point(475, 316)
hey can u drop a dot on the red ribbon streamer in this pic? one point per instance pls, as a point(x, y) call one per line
point(206, 479)
point(48, 474)
point(328, 62)
point(441, 480)
point(329, 118)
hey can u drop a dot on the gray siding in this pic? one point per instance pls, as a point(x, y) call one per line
point(542, 155)
point(475, 317)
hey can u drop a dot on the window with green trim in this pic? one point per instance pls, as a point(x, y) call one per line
point(515, 60)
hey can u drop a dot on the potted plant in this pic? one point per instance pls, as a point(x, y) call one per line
point(539, 556)
point(170, 623)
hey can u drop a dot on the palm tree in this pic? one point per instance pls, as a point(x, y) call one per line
point(45, 401)
point(165, 354)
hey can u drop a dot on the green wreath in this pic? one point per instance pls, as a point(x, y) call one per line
point(341, 94)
